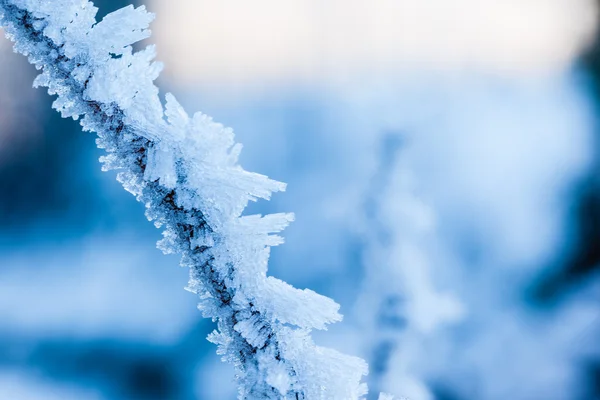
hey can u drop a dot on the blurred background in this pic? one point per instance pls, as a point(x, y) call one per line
point(442, 161)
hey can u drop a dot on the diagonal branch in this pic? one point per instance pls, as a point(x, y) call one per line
point(184, 169)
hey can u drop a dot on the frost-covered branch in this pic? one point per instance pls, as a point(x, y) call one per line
point(399, 307)
point(184, 169)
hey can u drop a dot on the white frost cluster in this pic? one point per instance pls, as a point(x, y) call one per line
point(184, 169)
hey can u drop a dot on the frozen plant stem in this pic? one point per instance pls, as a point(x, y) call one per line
point(400, 306)
point(184, 169)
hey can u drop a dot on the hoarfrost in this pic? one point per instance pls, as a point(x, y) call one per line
point(184, 169)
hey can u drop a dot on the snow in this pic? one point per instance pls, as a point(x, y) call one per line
point(186, 172)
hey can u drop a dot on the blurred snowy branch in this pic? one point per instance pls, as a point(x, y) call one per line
point(184, 169)
point(406, 307)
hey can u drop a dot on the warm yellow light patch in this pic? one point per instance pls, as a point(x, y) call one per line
point(240, 41)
